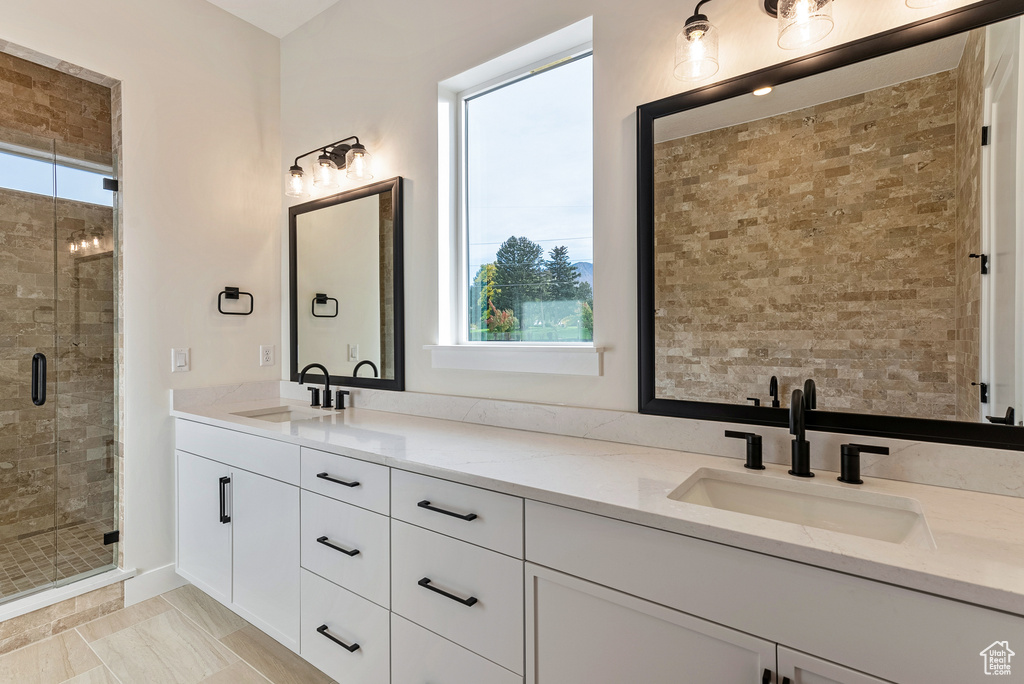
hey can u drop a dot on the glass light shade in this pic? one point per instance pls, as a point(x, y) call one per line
point(803, 22)
point(696, 51)
point(921, 4)
point(357, 163)
point(295, 183)
point(325, 173)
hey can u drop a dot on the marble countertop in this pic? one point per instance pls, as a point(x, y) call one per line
point(979, 538)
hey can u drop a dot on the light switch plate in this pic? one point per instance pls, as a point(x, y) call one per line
point(353, 352)
point(267, 354)
point(181, 360)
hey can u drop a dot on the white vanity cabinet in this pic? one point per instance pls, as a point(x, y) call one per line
point(236, 527)
point(582, 633)
point(799, 668)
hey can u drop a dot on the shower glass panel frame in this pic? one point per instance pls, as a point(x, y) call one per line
point(58, 297)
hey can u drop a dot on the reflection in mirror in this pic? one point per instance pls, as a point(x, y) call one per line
point(834, 229)
point(344, 312)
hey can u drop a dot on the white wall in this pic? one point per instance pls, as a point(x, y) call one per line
point(381, 84)
point(202, 201)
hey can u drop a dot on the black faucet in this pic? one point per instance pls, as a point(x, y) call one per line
point(316, 390)
point(355, 371)
point(797, 428)
point(810, 395)
point(773, 390)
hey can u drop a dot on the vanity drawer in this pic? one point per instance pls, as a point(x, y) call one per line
point(419, 656)
point(351, 620)
point(350, 529)
point(268, 457)
point(333, 475)
point(475, 515)
point(425, 563)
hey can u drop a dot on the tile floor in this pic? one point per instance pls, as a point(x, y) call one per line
point(181, 637)
point(27, 564)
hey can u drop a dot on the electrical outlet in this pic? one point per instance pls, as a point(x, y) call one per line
point(267, 355)
point(181, 360)
point(353, 352)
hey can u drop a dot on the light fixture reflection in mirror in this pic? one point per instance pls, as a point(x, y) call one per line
point(804, 22)
point(697, 48)
point(761, 92)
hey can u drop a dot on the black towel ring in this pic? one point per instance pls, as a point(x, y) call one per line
point(234, 293)
point(321, 298)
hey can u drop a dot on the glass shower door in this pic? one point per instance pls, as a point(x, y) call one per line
point(28, 414)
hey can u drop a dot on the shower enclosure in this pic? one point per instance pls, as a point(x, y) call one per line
point(58, 360)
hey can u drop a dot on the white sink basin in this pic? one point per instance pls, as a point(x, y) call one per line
point(889, 518)
point(281, 414)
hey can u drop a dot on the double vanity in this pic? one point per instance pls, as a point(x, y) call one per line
point(385, 547)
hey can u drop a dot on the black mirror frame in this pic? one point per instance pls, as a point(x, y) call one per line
point(950, 23)
point(394, 185)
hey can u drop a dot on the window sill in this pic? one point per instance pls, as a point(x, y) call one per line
point(518, 358)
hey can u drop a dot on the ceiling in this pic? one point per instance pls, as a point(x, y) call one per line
point(277, 17)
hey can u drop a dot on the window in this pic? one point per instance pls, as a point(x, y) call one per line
point(527, 205)
point(37, 175)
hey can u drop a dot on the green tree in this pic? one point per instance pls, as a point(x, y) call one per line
point(563, 277)
point(485, 288)
point(519, 275)
point(585, 293)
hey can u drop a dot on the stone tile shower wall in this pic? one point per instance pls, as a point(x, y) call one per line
point(77, 476)
point(817, 243)
point(970, 89)
point(387, 286)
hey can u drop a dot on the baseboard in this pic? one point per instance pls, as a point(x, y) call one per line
point(146, 585)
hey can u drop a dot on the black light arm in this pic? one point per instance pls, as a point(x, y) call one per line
point(334, 145)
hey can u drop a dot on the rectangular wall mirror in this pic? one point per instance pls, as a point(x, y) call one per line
point(860, 225)
point(347, 287)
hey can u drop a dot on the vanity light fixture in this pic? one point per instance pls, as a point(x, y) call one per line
point(761, 92)
point(802, 22)
point(343, 154)
point(697, 48)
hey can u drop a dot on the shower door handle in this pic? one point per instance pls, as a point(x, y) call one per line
point(39, 379)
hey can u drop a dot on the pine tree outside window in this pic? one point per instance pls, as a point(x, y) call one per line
point(528, 206)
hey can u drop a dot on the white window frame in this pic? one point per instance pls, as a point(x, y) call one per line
point(454, 349)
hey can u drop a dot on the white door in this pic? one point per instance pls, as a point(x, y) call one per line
point(265, 517)
point(582, 633)
point(204, 531)
point(799, 668)
point(1002, 302)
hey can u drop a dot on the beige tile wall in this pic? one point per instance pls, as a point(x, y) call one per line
point(970, 116)
point(818, 243)
point(60, 617)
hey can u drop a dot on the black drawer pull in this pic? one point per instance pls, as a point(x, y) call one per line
point(325, 476)
point(323, 630)
point(323, 540)
point(224, 517)
point(426, 504)
point(767, 677)
point(425, 582)
point(785, 680)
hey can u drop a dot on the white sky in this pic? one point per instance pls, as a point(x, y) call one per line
point(530, 164)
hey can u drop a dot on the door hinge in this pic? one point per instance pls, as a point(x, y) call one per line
point(984, 262)
point(110, 184)
point(984, 135)
point(111, 537)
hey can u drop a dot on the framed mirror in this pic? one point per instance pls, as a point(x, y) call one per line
point(859, 225)
point(345, 268)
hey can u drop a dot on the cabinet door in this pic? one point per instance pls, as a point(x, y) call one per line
point(581, 633)
point(800, 668)
point(204, 537)
point(265, 517)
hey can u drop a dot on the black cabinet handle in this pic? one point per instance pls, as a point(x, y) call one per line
point(426, 504)
point(325, 542)
point(425, 582)
point(39, 379)
point(224, 517)
point(322, 629)
point(785, 680)
point(766, 678)
point(325, 476)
